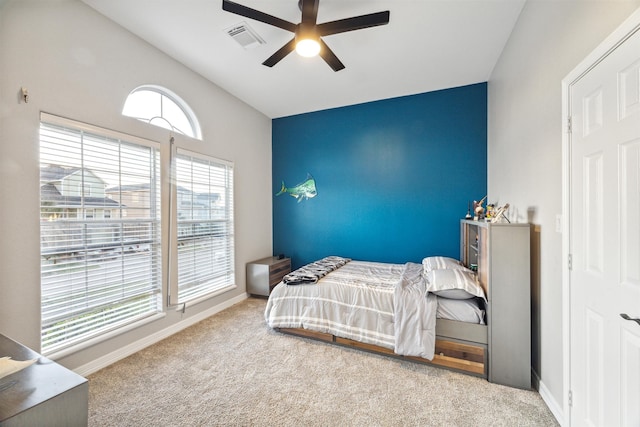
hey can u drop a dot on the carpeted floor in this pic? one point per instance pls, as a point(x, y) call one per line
point(232, 370)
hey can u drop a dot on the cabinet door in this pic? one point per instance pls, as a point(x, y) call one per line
point(510, 307)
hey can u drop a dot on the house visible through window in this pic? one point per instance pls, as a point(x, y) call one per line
point(204, 207)
point(100, 269)
point(160, 107)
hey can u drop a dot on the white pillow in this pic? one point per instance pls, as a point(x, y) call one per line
point(454, 284)
point(439, 263)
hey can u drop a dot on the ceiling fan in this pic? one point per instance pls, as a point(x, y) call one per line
point(308, 33)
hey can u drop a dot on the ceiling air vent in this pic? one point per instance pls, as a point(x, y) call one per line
point(245, 35)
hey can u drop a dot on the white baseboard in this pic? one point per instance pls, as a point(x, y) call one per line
point(552, 404)
point(134, 347)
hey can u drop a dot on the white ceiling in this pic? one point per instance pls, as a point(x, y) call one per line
point(427, 45)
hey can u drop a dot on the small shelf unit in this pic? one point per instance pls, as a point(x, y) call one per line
point(500, 253)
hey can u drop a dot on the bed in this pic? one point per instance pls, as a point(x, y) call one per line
point(432, 312)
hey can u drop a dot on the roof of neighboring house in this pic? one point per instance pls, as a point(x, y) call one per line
point(56, 173)
point(126, 188)
point(49, 193)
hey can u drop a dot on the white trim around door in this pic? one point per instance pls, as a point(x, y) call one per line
point(630, 26)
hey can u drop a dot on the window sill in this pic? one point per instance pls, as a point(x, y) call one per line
point(182, 306)
point(108, 335)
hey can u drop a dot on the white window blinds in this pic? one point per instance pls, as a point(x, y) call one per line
point(100, 231)
point(203, 197)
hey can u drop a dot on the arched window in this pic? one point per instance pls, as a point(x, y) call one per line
point(161, 107)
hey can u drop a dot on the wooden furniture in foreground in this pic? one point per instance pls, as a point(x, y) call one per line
point(43, 394)
point(265, 273)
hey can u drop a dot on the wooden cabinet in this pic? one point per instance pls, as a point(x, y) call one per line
point(265, 273)
point(43, 394)
point(501, 254)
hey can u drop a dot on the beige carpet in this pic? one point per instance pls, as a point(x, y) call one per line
point(232, 370)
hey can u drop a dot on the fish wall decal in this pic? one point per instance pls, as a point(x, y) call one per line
point(304, 190)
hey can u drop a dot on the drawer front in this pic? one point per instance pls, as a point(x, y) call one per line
point(278, 271)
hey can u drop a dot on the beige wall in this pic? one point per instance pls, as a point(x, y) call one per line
point(525, 148)
point(77, 64)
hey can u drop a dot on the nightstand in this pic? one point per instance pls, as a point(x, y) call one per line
point(44, 393)
point(265, 273)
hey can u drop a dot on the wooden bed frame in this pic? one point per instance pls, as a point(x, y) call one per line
point(459, 346)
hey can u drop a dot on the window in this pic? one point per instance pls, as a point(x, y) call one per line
point(160, 107)
point(205, 241)
point(99, 272)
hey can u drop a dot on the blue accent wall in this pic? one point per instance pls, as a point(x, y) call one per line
point(394, 177)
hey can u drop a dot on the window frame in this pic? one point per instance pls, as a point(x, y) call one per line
point(183, 106)
point(167, 217)
point(175, 282)
point(108, 330)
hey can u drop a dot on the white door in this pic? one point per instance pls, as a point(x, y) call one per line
point(605, 240)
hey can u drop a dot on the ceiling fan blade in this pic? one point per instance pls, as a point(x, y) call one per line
point(309, 11)
point(355, 23)
point(329, 57)
point(247, 12)
point(280, 53)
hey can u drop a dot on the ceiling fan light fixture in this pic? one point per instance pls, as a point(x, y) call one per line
point(307, 40)
point(307, 47)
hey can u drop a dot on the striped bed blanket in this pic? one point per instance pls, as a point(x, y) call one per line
point(377, 303)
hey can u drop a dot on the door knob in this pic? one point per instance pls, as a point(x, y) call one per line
point(625, 316)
